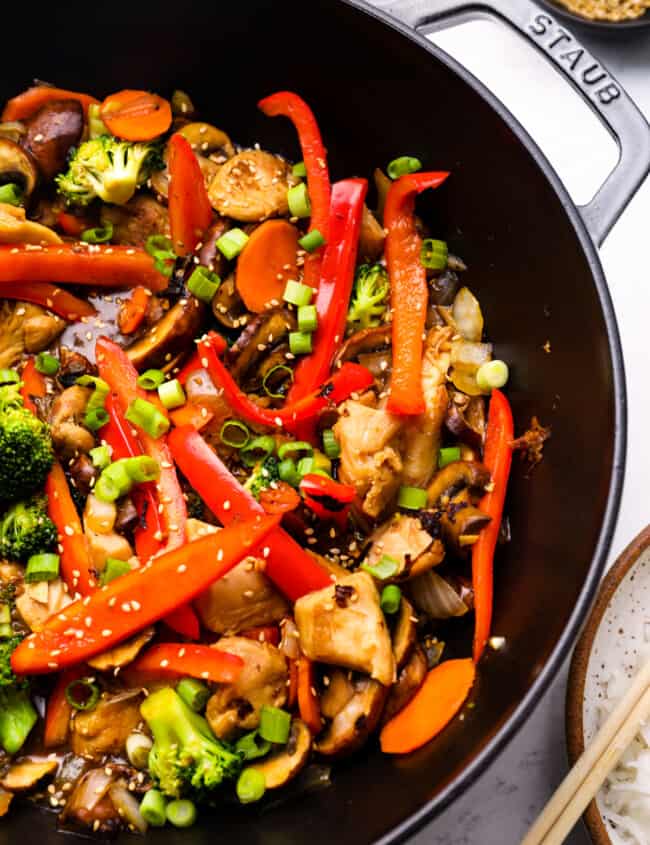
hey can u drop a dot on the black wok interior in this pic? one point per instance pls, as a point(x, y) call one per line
point(377, 95)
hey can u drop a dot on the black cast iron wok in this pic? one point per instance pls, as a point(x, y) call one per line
point(379, 90)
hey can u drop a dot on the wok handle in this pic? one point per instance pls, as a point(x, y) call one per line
point(587, 75)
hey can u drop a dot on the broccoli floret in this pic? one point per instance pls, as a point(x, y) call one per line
point(26, 530)
point(26, 453)
point(264, 473)
point(17, 713)
point(186, 758)
point(108, 168)
point(369, 297)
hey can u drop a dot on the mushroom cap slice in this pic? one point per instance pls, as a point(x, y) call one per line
point(15, 228)
point(404, 634)
point(122, 654)
point(205, 139)
point(251, 186)
point(351, 727)
point(27, 773)
point(171, 335)
point(51, 132)
point(408, 683)
point(17, 166)
point(284, 765)
point(454, 477)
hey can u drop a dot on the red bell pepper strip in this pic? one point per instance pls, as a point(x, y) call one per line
point(263, 634)
point(337, 278)
point(72, 225)
point(349, 379)
point(33, 385)
point(177, 660)
point(59, 710)
point(328, 499)
point(290, 567)
point(190, 212)
point(408, 290)
point(49, 296)
point(133, 310)
point(81, 264)
point(194, 362)
point(288, 104)
point(307, 700)
point(497, 457)
point(76, 565)
point(280, 497)
point(29, 101)
point(97, 623)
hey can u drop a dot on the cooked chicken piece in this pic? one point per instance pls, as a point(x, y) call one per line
point(244, 598)
point(422, 433)
point(370, 459)
point(40, 600)
point(103, 546)
point(122, 654)
point(251, 186)
point(134, 222)
point(105, 728)
point(16, 229)
point(404, 539)
point(40, 330)
point(27, 773)
point(344, 625)
point(66, 418)
point(20, 323)
point(263, 680)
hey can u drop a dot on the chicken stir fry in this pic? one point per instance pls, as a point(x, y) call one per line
point(253, 461)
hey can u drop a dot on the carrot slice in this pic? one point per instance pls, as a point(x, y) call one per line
point(307, 699)
point(433, 706)
point(133, 310)
point(266, 263)
point(190, 414)
point(136, 115)
point(25, 104)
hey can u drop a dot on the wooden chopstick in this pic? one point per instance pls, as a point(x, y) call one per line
point(595, 763)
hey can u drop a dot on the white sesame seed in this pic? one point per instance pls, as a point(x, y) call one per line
point(106, 632)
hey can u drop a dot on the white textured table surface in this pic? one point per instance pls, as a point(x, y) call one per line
point(499, 807)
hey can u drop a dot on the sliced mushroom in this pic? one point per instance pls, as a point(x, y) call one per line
point(72, 365)
point(17, 167)
point(227, 305)
point(281, 767)
point(251, 186)
point(209, 255)
point(263, 333)
point(382, 185)
point(456, 475)
point(461, 521)
point(13, 129)
point(363, 342)
point(66, 420)
point(51, 131)
point(465, 419)
point(443, 288)
point(122, 654)
point(172, 335)
point(351, 727)
point(26, 774)
point(15, 228)
point(408, 683)
point(404, 633)
point(206, 139)
point(83, 474)
point(41, 329)
point(407, 541)
point(133, 223)
point(371, 237)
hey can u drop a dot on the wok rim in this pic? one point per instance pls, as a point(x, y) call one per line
point(526, 706)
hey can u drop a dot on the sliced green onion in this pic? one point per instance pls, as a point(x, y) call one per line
point(295, 293)
point(160, 249)
point(203, 283)
point(96, 414)
point(235, 433)
point(153, 808)
point(113, 569)
point(100, 456)
point(385, 568)
point(96, 418)
point(9, 377)
point(251, 786)
point(232, 242)
point(257, 450)
point(42, 567)
point(171, 394)
point(119, 477)
point(96, 126)
point(46, 364)
point(99, 235)
point(299, 170)
point(391, 597)
point(300, 343)
point(288, 472)
point(275, 724)
point(307, 318)
point(11, 194)
point(181, 813)
point(138, 747)
point(147, 417)
point(151, 379)
point(251, 746)
point(194, 693)
point(279, 368)
point(402, 165)
point(82, 694)
point(448, 456)
point(6, 630)
point(433, 254)
point(318, 462)
point(492, 375)
point(298, 199)
point(293, 447)
point(413, 498)
point(331, 444)
point(312, 241)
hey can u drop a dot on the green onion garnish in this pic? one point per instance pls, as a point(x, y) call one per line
point(299, 170)
point(138, 747)
point(46, 364)
point(100, 456)
point(232, 242)
point(330, 444)
point(99, 235)
point(258, 449)
point(6, 629)
point(9, 377)
point(113, 569)
point(147, 417)
point(298, 199)
point(391, 597)
point(160, 249)
point(385, 568)
point(275, 724)
point(151, 379)
point(96, 418)
point(316, 463)
point(433, 254)
point(312, 241)
point(42, 567)
point(275, 371)
point(82, 694)
point(181, 813)
point(251, 746)
point(295, 293)
point(448, 455)
point(11, 194)
point(402, 165)
point(235, 434)
point(288, 472)
point(251, 786)
point(96, 414)
point(203, 283)
point(119, 477)
point(294, 447)
point(307, 318)
point(171, 394)
point(194, 693)
point(300, 343)
point(492, 375)
point(412, 498)
point(153, 808)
